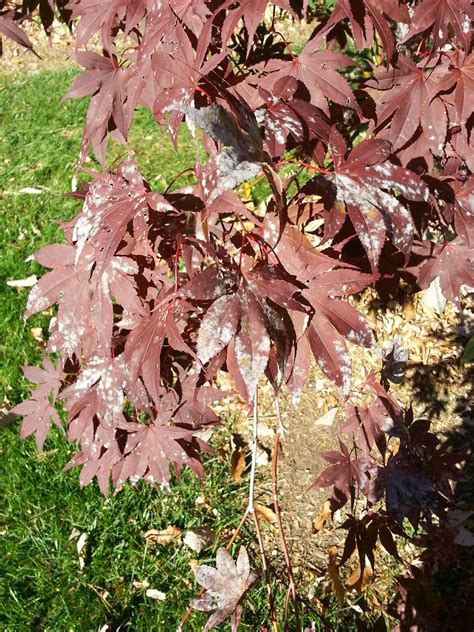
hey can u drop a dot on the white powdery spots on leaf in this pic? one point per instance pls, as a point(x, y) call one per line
point(252, 365)
point(71, 332)
point(108, 374)
point(413, 191)
point(37, 302)
point(345, 368)
point(124, 265)
point(380, 208)
point(216, 330)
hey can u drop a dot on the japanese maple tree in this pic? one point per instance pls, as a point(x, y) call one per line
point(367, 161)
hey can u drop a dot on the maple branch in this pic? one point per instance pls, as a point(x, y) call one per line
point(284, 547)
point(251, 508)
point(265, 569)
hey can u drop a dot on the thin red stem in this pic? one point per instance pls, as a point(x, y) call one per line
point(264, 565)
point(292, 585)
point(176, 265)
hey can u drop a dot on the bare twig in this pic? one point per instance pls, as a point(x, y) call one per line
point(251, 507)
point(292, 585)
point(265, 569)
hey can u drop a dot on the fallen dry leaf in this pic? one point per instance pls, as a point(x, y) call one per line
point(155, 537)
point(322, 517)
point(358, 581)
point(237, 465)
point(155, 594)
point(327, 419)
point(225, 587)
point(28, 282)
point(333, 573)
point(141, 585)
point(80, 545)
point(265, 513)
point(37, 333)
point(196, 539)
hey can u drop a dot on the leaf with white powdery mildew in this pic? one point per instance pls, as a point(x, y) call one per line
point(225, 587)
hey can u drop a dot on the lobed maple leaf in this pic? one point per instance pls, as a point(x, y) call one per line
point(112, 13)
point(455, 82)
point(372, 423)
point(226, 586)
point(39, 411)
point(453, 263)
point(343, 474)
point(106, 81)
point(371, 189)
point(423, 113)
point(317, 70)
point(438, 16)
point(365, 16)
point(239, 321)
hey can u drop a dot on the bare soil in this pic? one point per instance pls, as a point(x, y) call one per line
point(52, 53)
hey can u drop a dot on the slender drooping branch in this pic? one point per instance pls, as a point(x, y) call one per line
point(276, 507)
point(251, 507)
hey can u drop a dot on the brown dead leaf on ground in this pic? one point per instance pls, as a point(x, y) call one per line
point(358, 581)
point(323, 516)
point(328, 418)
point(155, 537)
point(237, 464)
point(333, 574)
point(265, 513)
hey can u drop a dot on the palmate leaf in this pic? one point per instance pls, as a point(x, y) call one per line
point(84, 295)
point(343, 474)
point(114, 447)
point(453, 263)
point(239, 322)
point(334, 322)
point(439, 16)
point(364, 17)
point(372, 423)
point(106, 81)
point(226, 586)
point(112, 202)
point(456, 85)
point(371, 189)
point(423, 113)
point(317, 70)
point(92, 21)
point(252, 12)
point(38, 415)
point(38, 411)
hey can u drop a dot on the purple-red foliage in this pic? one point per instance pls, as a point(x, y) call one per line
point(158, 291)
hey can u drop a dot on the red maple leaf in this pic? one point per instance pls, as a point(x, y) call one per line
point(438, 16)
point(424, 112)
point(453, 263)
point(371, 189)
point(225, 587)
point(317, 70)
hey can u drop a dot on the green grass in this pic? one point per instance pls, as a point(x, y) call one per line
point(41, 584)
